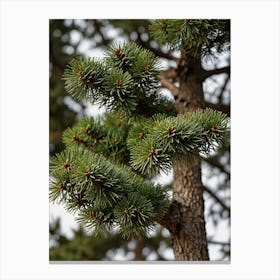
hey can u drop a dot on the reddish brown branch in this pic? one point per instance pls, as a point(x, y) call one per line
point(166, 78)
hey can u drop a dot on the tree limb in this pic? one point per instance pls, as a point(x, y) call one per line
point(170, 73)
point(218, 243)
point(223, 89)
point(169, 85)
point(157, 52)
point(207, 73)
point(165, 77)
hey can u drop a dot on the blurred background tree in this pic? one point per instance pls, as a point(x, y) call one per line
point(73, 38)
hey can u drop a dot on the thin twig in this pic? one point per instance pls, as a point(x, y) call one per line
point(218, 243)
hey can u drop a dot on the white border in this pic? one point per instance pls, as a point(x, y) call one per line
point(255, 138)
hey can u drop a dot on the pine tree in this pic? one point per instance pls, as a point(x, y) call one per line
point(105, 173)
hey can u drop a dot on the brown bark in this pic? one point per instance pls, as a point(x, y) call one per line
point(208, 73)
point(189, 240)
point(138, 256)
point(187, 214)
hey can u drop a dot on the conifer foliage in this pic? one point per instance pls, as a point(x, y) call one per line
point(195, 36)
point(104, 174)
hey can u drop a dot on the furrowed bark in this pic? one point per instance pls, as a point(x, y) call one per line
point(187, 223)
point(189, 238)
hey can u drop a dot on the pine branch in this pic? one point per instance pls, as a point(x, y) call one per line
point(156, 51)
point(156, 143)
point(223, 89)
point(106, 136)
point(102, 174)
point(195, 36)
point(169, 85)
point(165, 77)
point(105, 194)
point(125, 80)
point(171, 73)
point(218, 243)
point(207, 73)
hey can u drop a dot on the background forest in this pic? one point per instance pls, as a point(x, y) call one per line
point(75, 38)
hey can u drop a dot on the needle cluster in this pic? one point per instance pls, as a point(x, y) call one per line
point(104, 173)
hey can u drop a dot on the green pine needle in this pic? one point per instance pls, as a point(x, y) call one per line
point(195, 36)
point(104, 173)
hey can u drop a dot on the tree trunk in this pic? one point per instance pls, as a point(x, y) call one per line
point(138, 256)
point(189, 238)
point(188, 231)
